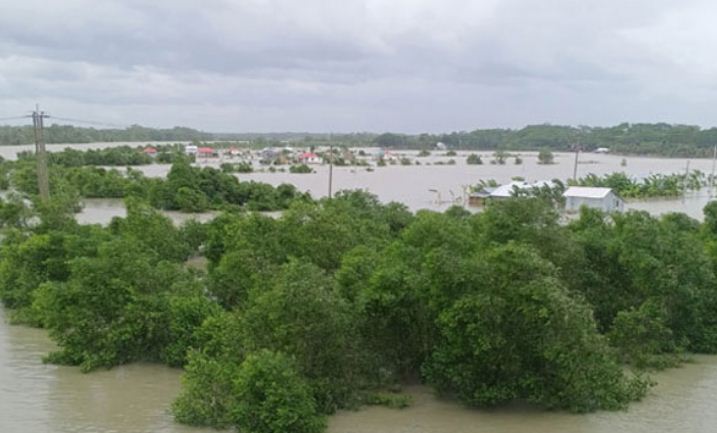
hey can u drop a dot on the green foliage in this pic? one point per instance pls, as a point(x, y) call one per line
point(186, 188)
point(545, 157)
point(499, 157)
point(130, 321)
point(639, 258)
point(273, 398)
point(118, 155)
point(301, 315)
point(655, 185)
point(241, 167)
point(14, 212)
point(339, 299)
point(300, 168)
point(626, 138)
point(191, 200)
point(149, 228)
point(643, 337)
point(185, 313)
point(710, 213)
point(71, 134)
point(208, 395)
point(474, 159)
point(390, 400)
point(521, 336)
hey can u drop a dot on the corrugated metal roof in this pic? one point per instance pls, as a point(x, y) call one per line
point(506, 190)
point(586, 192)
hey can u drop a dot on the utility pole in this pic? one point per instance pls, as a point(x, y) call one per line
point(575, 167)
point(43, 181)
point(684, 182)
point(712, 176)
point(331, 166)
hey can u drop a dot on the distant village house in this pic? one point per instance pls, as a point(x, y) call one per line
point(604, 199)
point(309, 158)
point(206, 152)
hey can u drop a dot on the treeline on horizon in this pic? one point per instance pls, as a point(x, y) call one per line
point(55, 134)
point(661, 139)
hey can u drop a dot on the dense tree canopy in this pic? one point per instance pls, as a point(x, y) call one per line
point(335, 302)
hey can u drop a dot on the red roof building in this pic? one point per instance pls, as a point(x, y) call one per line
point(149, 150)
point(309, 158)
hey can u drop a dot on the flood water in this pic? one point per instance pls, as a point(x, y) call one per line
point(429, 185)
point(102, 210)
point(437, 187)
point(40, 398)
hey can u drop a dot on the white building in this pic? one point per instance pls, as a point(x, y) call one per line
point(190, 149)
point(598, 198)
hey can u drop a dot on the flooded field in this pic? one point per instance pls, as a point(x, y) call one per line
point(431, 185)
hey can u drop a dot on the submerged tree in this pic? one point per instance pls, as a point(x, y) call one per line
point(545, 157)
point(521, 336)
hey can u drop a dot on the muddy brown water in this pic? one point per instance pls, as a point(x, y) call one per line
point(40, 398)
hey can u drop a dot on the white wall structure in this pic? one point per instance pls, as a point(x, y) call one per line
point(604, 199)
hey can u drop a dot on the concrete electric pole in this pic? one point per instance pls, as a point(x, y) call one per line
point(43, 180)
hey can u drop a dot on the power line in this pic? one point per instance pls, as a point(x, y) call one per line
point(91, 122)
point(3, 119)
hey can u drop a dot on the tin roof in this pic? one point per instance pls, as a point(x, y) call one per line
point(586, 192)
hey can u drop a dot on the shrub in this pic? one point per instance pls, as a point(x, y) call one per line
point(208, 396)
point(271, 397)
point(300, 169)
point(474, 159)
point(545, 157)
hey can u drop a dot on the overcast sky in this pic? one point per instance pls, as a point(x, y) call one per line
point(360, 65)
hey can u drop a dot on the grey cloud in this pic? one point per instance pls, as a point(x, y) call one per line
point(408, 65)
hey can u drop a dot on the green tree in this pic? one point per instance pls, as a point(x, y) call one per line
point(271, 397)
point(208, 395)
point(642, 336)
point(191, 200)
point(302, 315)
point(545, 157)
point(128, 324)
point(474, 159)
point(520, 335)
point(499, 157)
